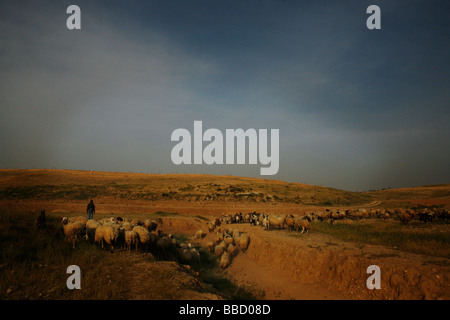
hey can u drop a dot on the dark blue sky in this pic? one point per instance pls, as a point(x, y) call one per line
point(357, 109)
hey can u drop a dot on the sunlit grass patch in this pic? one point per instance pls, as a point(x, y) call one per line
point(433, 242)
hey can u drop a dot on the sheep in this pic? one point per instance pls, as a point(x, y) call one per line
point(143, 236)
point(78, 218)
point(228, 240)
point(334, 215)
point(108, 234)
point(154, 236)
point(218, 250)
point(303, 224)
point(218, 237)
point(426, 216)
point(210, 246)
point(184, 255)
point(243, 241)
point(91, 226)
point(227, 218)
point(232, 250)
point(254, 220)
point(225, 260)
point(131, 239)
point(320, 215)
point(385, 216)
point(127, 226)
point(265, 221)
point(135, 222)
point(199, 234)
point(276, 221)
point(151, 225)
point(405, 218)
point(73, 230)
point(290, 220)
point(195, 255)
point(223, 245)
point(162, 244)
point(211, 226)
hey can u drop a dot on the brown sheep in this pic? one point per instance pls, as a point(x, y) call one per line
point(302, 224)
point(290, 222)
point(276, 221)
point(210, 246)
point(405, 218)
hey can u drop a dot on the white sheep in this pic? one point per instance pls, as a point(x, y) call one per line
point(276, 221)
point(127, 226)
point(78, 218)
point(228, 240)
point(195, 255)
point(225, 260)
point(106, 233)
point(243, 241)
point(218, 250)
point(135, 222)
point(211, 226)
point(91, 226)
point(232, 250)
point(143, 235)
point(131, 239)
point(73, 230)
point(200, 234)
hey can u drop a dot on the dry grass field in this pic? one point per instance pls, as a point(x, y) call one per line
point(328, 262)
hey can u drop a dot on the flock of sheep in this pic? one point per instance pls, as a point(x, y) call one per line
point(297, 222)
point(134, 233)
point(226, 243)
point(145, 235)
point(301, 222)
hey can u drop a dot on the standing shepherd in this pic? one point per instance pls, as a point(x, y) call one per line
point(91, 210)
point(40, 220)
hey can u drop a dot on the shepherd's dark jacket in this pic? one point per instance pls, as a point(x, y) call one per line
point(91, 205)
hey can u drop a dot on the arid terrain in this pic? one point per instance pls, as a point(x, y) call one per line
point(328, 262)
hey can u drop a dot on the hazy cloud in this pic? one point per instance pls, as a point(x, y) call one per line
point(356, 109)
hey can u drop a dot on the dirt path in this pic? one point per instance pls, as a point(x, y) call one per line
point(372, 204)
